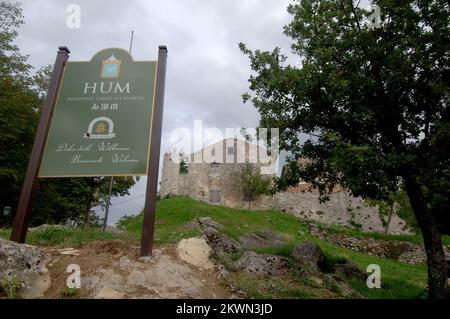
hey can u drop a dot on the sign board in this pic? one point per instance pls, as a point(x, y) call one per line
point(102, 119)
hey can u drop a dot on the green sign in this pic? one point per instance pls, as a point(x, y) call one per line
point(102, 118)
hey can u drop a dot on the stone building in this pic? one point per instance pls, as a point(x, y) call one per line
point(213, 173)
point(213, 176)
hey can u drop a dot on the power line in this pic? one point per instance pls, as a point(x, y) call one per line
point(124, 201)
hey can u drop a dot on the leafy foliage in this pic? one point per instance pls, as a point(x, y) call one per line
point(253, 183)
point(184, 164)
point(10, 285)
point(375, 100)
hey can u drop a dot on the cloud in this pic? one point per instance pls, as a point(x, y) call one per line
point(206, 72)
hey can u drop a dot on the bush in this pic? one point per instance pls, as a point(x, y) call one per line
point(9, 285)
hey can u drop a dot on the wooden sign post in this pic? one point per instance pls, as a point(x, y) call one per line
point(102, 117)
point(25, 205)
point(155, 145)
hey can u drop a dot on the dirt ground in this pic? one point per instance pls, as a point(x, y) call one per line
point(114, 268)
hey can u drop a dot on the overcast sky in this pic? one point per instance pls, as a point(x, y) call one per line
point(206, 72)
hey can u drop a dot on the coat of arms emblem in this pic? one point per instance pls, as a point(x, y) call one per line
point(111, 67)
point(100, 128)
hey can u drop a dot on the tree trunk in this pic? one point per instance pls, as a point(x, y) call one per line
point(437, 273)
point(391, 212)
point(87, 213)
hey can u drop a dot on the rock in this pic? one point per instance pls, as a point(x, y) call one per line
point(208, 222)
point(345, 290)
point(261, 264)
point(220, 244)
point(109, 293)
point(349, 270)
point(45, 226)
point(69, 251)
point(396, 249)
point(222, 273)
point(192, 225)
point(308, 254)
point(196, 252)
point(114, 230)
point(314, 230)
point(316, 280)
point(263, 239)
point(27, 264)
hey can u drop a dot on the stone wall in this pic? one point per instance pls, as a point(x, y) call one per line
point(342, 209)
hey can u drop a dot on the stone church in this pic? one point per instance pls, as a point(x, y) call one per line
point(213, 176)
point(213, 172)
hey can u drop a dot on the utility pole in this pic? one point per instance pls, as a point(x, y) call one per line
point(105, 220)
point(111, 181)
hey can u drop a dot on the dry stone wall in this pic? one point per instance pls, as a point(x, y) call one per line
point(342, 209)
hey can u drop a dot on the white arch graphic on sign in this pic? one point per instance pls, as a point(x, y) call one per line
point(110, 128)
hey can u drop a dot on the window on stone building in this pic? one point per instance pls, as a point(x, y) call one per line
point(230, 150)
point(214, 169)
point(213, 152)
point(214, 196)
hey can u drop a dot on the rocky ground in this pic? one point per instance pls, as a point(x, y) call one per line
point(112, 269)
point(212, 265)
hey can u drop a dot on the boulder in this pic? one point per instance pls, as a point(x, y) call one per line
point(349, 270)
point(27, 264)
point(192, 225)
point(220, 244)
point(196, 252)
point(69, 251)
point(207, 222)
point(308, 254)
point(254, 263)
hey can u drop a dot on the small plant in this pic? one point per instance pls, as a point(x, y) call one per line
point(69, 292)
point(10, 284)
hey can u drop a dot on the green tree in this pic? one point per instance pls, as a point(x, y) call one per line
point(376, 100)
point(396, 203)
point(22, 95)
point(19, 108)
point(253, 183)
point(184, 163)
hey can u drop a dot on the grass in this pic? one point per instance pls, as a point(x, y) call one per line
point(55, 236)
point(175, 215)
point(399, 280)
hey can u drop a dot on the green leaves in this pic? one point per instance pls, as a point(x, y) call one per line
point(371, 95)
point(253, 183)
